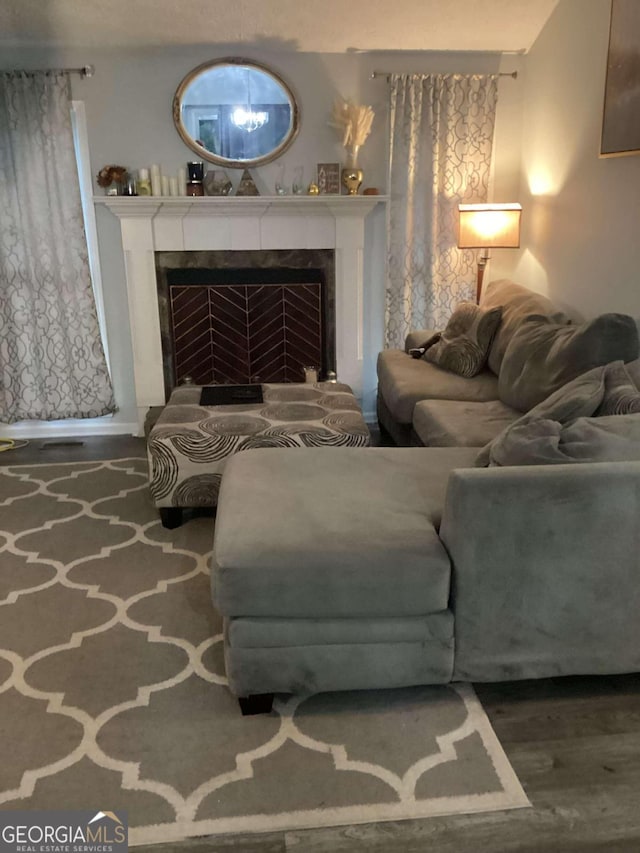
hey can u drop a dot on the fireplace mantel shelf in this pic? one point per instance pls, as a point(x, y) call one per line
point(154, 206)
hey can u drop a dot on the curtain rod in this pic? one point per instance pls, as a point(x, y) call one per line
point(388, 74)
point(85, 71)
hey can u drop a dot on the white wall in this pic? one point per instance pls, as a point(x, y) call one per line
point(581, 212)
point(128, 107)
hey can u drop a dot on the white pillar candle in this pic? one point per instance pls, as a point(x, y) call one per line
point(165, 184)
point(182, 181)
point(156, 183)
point(144, 183)
point(173, 186)
point(310, 374)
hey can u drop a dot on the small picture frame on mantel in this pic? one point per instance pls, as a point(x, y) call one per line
point(329, 178)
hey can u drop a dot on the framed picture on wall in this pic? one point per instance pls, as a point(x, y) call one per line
point(329, 178)
point(621, 114)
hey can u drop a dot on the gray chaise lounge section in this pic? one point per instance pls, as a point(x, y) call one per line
point(329, 571)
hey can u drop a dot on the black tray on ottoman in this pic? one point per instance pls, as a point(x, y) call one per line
point(230, 395)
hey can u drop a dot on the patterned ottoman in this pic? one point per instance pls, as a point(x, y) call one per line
point(189, 444)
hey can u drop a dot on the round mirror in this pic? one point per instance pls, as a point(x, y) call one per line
point(235, 112)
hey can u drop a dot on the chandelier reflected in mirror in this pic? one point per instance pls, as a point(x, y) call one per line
point(249, 120)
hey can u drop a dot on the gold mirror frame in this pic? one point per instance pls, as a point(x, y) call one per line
point(209, 156)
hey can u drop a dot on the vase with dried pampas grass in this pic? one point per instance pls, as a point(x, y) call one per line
point(353, 122)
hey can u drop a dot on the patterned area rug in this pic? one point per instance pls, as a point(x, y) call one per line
point(112, 687)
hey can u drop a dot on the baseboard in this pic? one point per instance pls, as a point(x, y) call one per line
point(51, 429)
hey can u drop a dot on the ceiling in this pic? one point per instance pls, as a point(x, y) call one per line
point(328, 26)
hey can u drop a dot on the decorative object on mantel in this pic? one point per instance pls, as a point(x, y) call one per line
point(352, 179)
point(156, 180)
point(196, 176)
point(130, 186)
point(371, 191)
point(313, 189)
point(112, 179)
point(329, 178)
point(280, 185)
point(182, 180)
point(216, 182)
point(247, 185)
point(144, 182)
point(353, 121)
point(297, 187)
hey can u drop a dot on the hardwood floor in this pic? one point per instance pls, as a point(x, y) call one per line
point(61, 449)
point(573, 742)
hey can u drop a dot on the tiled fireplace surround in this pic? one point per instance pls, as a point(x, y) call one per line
point(239, 224)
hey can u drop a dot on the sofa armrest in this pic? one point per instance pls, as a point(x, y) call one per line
point(417, 338)
point(546, 570)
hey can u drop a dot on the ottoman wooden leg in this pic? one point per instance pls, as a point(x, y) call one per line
point(171, 516)
point(259, 703)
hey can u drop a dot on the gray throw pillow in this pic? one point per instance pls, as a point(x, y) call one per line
point(579, 398)
point(621, 396)
point(463, 346)
point(543, 356)
point(615, 438)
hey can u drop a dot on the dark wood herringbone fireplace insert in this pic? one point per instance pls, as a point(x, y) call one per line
point(236, 324)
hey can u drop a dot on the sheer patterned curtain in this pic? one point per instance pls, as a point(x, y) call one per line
point(440, 155)
point(52, 364)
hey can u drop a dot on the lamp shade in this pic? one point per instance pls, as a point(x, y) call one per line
point(489, 226)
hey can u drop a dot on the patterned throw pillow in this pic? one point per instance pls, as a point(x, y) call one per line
point(621, 397)
point(464, 345)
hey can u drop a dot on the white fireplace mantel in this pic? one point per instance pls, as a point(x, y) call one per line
point(184, 224)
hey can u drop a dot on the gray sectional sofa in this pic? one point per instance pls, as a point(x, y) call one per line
point(419, 403)
point(354, 568)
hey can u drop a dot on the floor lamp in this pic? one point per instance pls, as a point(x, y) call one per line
point(488, 226)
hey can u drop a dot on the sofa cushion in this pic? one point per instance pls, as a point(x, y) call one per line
point(403, 381)
point(454, 423)
point(372, 550)
point(517, 302)
point(542, 356)
point(621, 396)
point(633, 369)
point(613, 438)
point(464, 345)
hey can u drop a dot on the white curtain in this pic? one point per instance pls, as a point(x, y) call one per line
point(440, 155)
point(52, 364)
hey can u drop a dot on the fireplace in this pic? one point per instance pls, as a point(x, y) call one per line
point(237, 317)
point(152, 226)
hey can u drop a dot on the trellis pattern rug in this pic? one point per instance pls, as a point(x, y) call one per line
point(112, 687)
